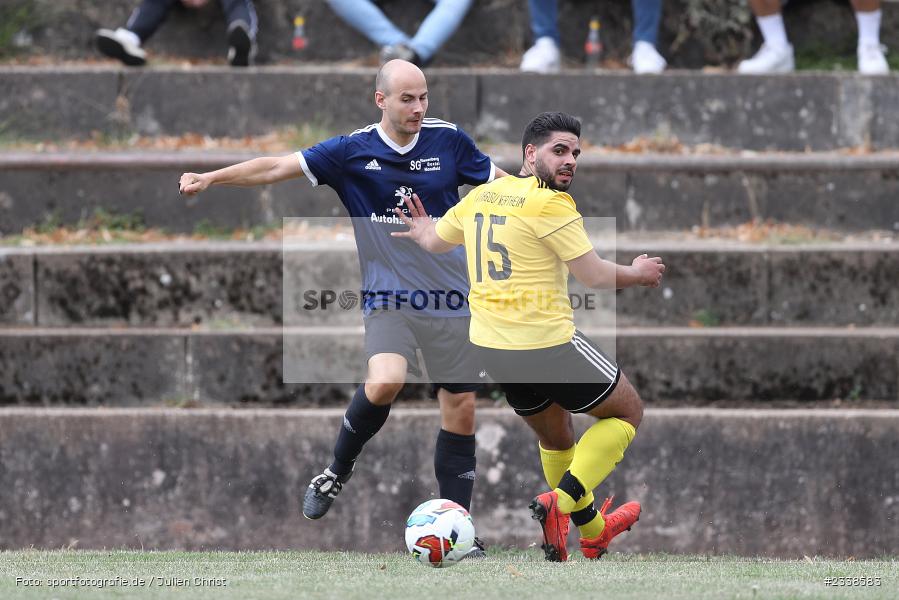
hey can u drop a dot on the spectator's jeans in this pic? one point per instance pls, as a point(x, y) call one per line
point(147, 17)
point(370, 21)
point(647, 15)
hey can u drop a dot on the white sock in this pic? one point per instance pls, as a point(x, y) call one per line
point(868, 28)
point(773, 30)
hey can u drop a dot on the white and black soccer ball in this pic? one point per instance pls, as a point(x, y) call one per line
point(439, 533)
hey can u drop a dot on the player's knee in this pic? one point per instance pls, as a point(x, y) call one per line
point(556, 440)
point(382, 392)
point(634, 408)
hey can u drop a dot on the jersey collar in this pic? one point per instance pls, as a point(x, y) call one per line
point(393, 145)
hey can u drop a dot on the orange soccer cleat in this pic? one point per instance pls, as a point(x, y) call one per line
point(620, 520)
point(545, 509)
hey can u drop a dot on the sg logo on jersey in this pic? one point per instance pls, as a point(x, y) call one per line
point(425, 164)
point(403, 193)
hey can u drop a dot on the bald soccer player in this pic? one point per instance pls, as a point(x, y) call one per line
point(372, 170)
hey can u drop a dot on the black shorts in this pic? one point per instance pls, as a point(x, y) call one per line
point(448, 355)
point(576, 375)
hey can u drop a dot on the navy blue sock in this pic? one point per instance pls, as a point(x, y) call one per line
point(361, 422)
point(454, 466)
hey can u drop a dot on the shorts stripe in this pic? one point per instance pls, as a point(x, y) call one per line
point(588, 353)
point(526, 412)
point(599, 398)
point(599, 366)
point(597, 353)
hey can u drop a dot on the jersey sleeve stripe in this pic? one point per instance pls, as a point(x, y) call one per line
point(309, 174)
point(432, 121)
point(365, 129)
point(492, 175)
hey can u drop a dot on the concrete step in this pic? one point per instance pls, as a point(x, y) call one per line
point(686, 365)
point(644, 192)
point(231, 479)
point(806, 111)
point(227, 284)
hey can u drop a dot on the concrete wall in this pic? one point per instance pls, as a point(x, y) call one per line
point(219, 285)
point(813, 111)
point(677, 365)
point(768, 483)
point(645, 192)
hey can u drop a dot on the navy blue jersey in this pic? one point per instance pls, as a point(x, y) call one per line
point(372, 175)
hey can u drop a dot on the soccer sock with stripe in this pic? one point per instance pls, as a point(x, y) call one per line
point(454, 466)
point(597, 452)
point(361, 422)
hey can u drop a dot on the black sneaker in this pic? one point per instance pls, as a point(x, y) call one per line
point(241, 47)
point(321, 493)
point(478, 550)
point(401, 52)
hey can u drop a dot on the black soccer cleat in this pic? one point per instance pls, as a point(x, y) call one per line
point(478, 550)
point(321, 493)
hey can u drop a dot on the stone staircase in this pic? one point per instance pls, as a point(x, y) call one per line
point(808, 318)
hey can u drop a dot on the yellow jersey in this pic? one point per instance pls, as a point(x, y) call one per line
point(518, 234)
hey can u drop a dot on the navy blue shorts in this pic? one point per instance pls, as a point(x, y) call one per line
point(448, 355)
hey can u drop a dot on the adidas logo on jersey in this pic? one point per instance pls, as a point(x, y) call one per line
point(373, 166)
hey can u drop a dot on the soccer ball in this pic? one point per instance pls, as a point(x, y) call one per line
point(439, 533)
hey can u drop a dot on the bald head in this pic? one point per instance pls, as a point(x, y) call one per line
point(396, 75)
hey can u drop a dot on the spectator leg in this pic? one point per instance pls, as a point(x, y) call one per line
point(438, 26)
point(647, 16)
point(241, 10)
point(765, 8)
point(147, 17)
point(545, 19)
point(367, 19)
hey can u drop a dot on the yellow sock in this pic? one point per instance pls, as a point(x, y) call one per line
point(555, 463)
point(600, 449)
point(593, 528)
point(596, 454)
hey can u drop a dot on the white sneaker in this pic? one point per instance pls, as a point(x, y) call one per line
point(542, 57)
point(871, 60)
point(646, 59)
point(769, 59)
point(121, 44)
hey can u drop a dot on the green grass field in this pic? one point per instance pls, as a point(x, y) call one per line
point(505, 574)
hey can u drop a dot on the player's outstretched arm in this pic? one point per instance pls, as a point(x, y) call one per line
point(422, 230)
point(595, 272)
point(258, 171)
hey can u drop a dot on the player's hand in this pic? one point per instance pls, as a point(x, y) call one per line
point(418, 220)
point(192, 184)
point(194, 3)
point(649, 270)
